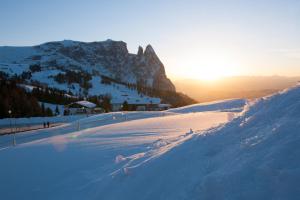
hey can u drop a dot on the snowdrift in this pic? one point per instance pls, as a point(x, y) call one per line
point(256, 156)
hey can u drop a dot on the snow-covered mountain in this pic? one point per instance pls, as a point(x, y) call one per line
point(53, 63)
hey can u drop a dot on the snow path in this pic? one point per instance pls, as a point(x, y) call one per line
point(84, 123)
point(74, 165)
point(104, 119)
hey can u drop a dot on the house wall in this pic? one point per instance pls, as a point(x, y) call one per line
point(137, 107)
point(74, 111)
point(140, 108)
point(116, 107)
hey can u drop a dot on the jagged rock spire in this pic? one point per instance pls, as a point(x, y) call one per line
point(149, 50)
point(140, 51)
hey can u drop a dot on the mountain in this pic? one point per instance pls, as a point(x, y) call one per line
point(58, 64)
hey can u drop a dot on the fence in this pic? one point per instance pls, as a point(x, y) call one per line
point(92, 121)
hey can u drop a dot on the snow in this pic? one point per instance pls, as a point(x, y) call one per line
point(46, 77)
point(191, 154)
point(223, 105)
point(119, 93)
point(86, 104)
point(28, 88)
point(67, 162)
point(12, 69)
point(72, 121)
point(53, 107)
point(99, 88)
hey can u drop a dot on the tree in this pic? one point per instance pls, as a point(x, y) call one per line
point(106, 105)
point(43, 109)
point(49, 112)
point(35, 68)
point(16, 99)
point(125, 106)
point(56, 110)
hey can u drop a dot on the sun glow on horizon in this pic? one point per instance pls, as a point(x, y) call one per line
point(211, 66)
point(213, 73)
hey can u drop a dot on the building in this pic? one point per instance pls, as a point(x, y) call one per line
point(164, 106)
point(137, 104)
point(81, 107)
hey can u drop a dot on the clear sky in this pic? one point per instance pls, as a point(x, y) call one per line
point(194, 39)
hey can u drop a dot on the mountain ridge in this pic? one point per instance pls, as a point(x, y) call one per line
point(110, 58)
point(89, 70)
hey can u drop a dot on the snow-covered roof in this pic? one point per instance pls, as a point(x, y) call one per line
point(28, 88)
point(86, 104)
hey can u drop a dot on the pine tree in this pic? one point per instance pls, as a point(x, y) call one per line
point(43, 109)
point(106, 105)
point(49, 112)
point(125, 106)
point(56, 110)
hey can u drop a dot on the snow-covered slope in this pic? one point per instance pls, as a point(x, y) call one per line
point(109, 58)
point(254, 156)
point(78, 165)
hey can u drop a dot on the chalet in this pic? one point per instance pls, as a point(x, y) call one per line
point(164, 106)
point(81, 107)
point(137, 104)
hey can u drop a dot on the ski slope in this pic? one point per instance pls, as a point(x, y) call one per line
point(227, 155)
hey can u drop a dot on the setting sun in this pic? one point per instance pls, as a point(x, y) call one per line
point(212, 73)
point(210, 65)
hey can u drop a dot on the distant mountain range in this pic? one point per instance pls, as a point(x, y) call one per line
point(234, 87)
point(91, 68)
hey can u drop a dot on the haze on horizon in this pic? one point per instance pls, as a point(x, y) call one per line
point(194, 39)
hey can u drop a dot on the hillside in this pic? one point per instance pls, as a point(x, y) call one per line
point(91, 69)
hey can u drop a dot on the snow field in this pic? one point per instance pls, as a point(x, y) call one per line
point(192, 155)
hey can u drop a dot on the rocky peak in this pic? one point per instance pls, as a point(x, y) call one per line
point(114, 47)
point(154, 66)
point(140, 51)
point(149, 51)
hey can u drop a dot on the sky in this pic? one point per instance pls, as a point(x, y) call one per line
point(193, 38)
